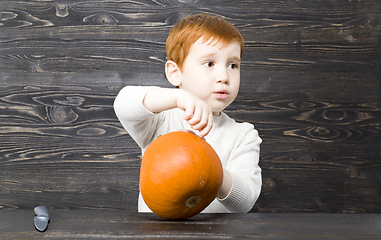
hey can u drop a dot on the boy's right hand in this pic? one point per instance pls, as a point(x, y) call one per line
point(198, 114)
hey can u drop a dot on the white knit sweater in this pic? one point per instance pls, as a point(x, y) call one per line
point(237, 145)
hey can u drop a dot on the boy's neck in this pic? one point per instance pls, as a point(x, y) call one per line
point(217, 113)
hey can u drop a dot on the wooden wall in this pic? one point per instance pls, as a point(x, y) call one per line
point(310, 84)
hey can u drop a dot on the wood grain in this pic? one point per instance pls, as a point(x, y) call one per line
point(115, 224)
point(310, 83)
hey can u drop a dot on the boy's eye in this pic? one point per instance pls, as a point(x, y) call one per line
point(234, 66)
point(209, 64)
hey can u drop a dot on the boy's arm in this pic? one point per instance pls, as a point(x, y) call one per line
point(138, 121)
point(197, 113)
point(227, 184)
point(246, 178)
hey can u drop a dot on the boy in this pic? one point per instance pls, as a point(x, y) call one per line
point(203, 54)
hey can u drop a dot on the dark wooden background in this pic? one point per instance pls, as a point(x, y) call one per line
point(310, 84)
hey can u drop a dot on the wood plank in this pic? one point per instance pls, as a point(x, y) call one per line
point(95, 224)
point(65, 145)
point(319, 160)
point(59, 156)
point(95, 39)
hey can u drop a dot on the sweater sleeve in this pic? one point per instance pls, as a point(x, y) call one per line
point(137, 120)
point(245, 171)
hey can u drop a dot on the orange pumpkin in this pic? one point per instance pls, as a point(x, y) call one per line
point(180, 175)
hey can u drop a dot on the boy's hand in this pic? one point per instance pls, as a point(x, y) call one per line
point(197, 113)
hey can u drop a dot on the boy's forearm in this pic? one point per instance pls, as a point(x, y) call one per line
point(227, 184)
point(161, 99)
point(197, 113)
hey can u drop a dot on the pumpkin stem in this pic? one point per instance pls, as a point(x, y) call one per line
point(192, 201)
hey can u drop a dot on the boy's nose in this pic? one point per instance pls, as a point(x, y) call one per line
point(223, 77)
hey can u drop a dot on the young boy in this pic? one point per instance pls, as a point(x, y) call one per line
point(204, 54)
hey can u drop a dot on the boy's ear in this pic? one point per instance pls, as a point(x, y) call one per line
point(173, 73)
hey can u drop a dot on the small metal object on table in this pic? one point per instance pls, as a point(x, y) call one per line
point(41, 221)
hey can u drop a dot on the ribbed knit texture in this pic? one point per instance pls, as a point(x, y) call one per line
point(235, 196)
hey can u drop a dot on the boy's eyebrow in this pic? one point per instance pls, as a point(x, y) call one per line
point(235, 58)
point(207, 55)
point(238, 59)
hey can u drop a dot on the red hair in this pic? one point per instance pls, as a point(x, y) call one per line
point(191, 28)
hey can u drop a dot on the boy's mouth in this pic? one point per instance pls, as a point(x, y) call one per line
point(221, 94)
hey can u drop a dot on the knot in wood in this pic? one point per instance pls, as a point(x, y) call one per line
point(101, 18)
point(61, 114)
point(62, 10)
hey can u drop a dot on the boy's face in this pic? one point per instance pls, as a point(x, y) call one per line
point(212, 72)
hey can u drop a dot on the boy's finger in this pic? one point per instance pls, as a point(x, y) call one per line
point(189, 112)
point(196, 117)
point(202, 121)
point(208, 127)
